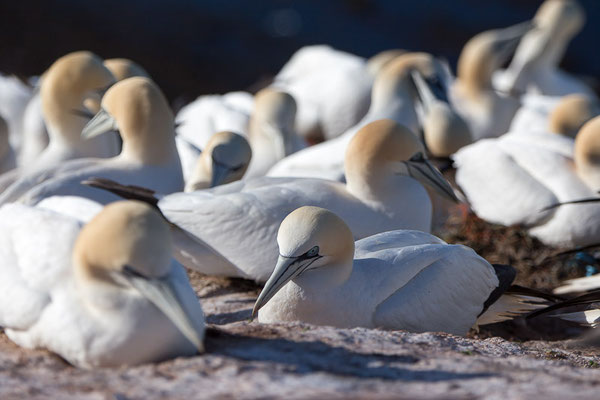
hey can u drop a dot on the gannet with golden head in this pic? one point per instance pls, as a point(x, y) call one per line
point(487, 112)
point(65, 86)
point(271, 131)
point(535, 66)
point(225, 159)
point(393, 280)
point(35, 136)
point(385, 172)
point(331, 88)
point(136, 108)
point(393, 97)
point(109, 295)
point(513, 179)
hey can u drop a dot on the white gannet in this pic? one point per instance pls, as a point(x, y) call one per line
point(7, 155)
point(514, 178)
point(35, 135)
point(487, 112)
point(14, 96)
point(392, 97)
point(331, 87)
point(202, 118)
point(139, 110)
point(271, 130)
point(64, 88)
point(109, 295)
point(393, 280)
point(535, 66)
point(384, 171)
point(225, 159)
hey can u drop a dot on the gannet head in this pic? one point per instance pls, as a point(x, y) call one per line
point(444, 131)
point(571, 113)
point(127, 247)
point(273, 119)
point(587, 153)
point(486, 52)
point(394, 80)
point(561, 18)
point(139, 110)
point(225, 159)
point(310, 238)
point(65, 86)
point(383, 149)
point(376, 63)
point(121, 68)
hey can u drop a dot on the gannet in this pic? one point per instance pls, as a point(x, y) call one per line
point(376, 63)
point(271, 130)
point(109, 295)
point(139, 110)
point(515, 178)
point(65, 86)
point(331, 88)
point(225, 159)
point(393, 97)
point(487, 112)
point(535, 66)
point(393, 280)
point(7, 155)
point(385, 171)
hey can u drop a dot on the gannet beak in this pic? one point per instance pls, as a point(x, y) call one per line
point(220, 173)
point(101, 123)
point(422, 170)
point(509, 38)
point(428, 91)
point(163, 294)
point(82, 113)
point(287, 268)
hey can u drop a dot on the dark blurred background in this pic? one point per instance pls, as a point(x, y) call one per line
point(193, 47)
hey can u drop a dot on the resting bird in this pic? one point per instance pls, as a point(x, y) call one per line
point(393, 280)
point(109, 295)
point(515, 179)
point(139, 110)
point(385, 173)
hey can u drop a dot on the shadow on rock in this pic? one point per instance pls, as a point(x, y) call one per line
point(304, 357)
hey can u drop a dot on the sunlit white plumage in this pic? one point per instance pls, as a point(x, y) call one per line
point(206, 115)
point(331, 87)
point(393, 280)
point(510, 180)
point(240, 220)
point(109, 295)
point(14, 96)
point(137, 107)
point(392, 97)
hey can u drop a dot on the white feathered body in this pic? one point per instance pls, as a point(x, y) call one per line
point(400, 280)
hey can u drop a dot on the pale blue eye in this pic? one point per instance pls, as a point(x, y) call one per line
point(313, 252)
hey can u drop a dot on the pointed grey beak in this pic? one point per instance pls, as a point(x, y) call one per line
point(509, 38)
point(287, 268)
point(422, 170)
point(163, 294)
point(101, 123)
point(220, 173)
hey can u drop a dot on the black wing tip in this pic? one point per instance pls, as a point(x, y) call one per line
point(584, 299)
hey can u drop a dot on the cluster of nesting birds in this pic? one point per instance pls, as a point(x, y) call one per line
point(322, 186)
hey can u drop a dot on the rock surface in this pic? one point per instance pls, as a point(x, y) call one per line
point(245, 359)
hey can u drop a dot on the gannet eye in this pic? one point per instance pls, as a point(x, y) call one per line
point(313, 252)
